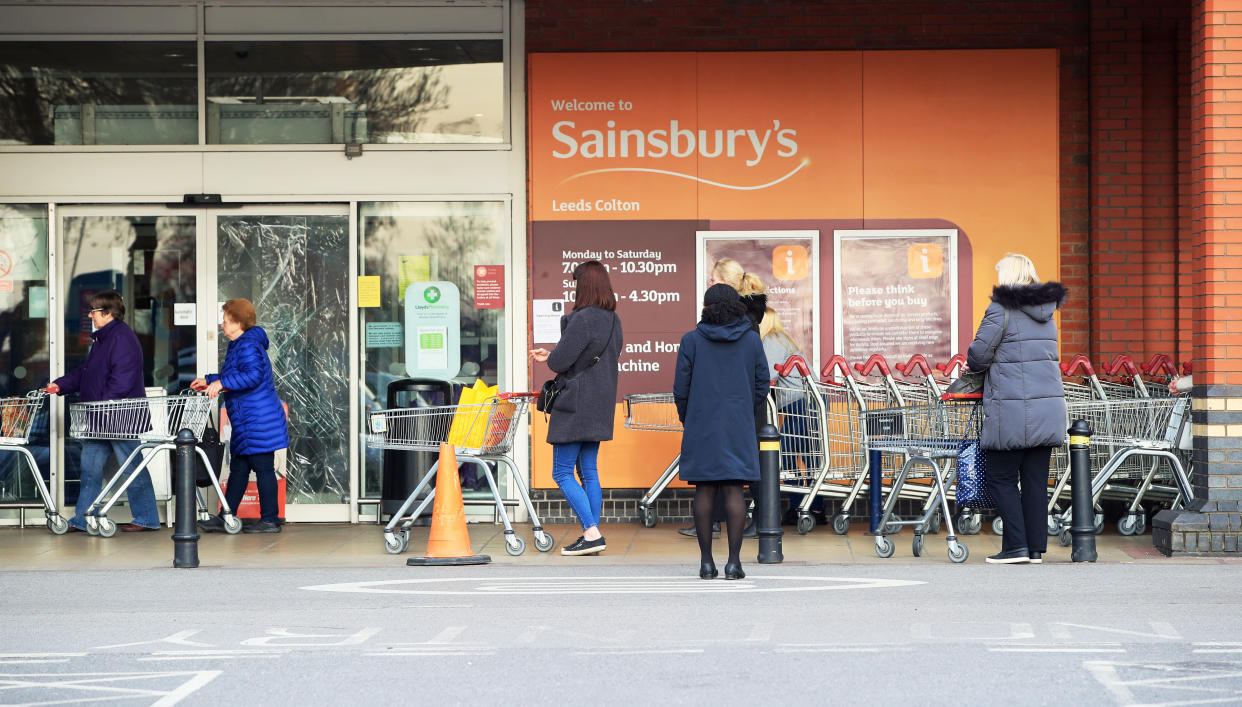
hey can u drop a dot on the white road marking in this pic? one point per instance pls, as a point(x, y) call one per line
point(841, 648)
point(642, 651)
point(179, 638)
point(1183, 680)
point(102, 687)
point(609, 585)
point(222, 654)
point(36, 658)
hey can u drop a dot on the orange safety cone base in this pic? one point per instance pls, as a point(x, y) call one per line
point(449, 541)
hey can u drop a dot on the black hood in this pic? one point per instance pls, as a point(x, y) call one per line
point(1039, 300)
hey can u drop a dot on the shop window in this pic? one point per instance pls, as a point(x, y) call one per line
point(442, 91)
point(423, 244)
point(98, 93)
point(24, 336)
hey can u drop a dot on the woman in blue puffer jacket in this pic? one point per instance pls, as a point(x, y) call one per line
point(255, 413)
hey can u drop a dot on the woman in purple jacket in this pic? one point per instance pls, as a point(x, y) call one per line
point(113, 371)
point(255, 413)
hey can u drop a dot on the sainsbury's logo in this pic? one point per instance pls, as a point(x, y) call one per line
point(749, 145)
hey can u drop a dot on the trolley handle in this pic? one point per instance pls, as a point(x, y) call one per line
point(511, 396)
point(1188, 367)
point(1160, 364)
point(876, 361)
point(795, 362)
point(837, 361)
point(961, 396)
point(1122, 365)
point(918, 361)
point(1079, 361)
point(957, 361)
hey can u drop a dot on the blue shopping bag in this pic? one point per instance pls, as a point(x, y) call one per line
point(972, 490)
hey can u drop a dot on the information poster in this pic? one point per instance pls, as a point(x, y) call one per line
point(896, 294)
point(788, 264)
point(489, 287)
point(432, 330)
point(649, 267)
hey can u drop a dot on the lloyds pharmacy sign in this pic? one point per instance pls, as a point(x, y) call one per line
point(432, 330)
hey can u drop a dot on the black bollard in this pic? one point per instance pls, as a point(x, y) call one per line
point(1083, 528)
point(875, 489)
point(768, 520)
point(185, 532)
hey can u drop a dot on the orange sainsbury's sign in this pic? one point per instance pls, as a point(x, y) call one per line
point(675, 136)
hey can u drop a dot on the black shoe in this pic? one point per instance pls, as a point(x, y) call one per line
point(214, 524)
point(733, 570)
point(1036, 558)
point(262, 526)
point(692, 532)
point(1010, 557)
point(582, 546)
point(750, 531)
point(707, 570)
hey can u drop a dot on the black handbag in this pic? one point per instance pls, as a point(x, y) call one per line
point(971, 382)
point(555, 387)
point(214, 449)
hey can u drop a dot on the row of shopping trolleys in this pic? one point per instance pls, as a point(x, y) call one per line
point(152, 422)
point(831, 424)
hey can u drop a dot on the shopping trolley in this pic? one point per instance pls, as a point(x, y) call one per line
point(930, 435)
point(1160, 372)
point(655, 412)
point(1133, 429)
point(480, 434)
point(17, 416)
point(154, 424)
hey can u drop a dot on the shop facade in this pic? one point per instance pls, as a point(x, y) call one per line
point(315, 161)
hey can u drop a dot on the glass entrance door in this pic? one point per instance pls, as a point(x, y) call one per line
point(150, 256)
point(292, 263)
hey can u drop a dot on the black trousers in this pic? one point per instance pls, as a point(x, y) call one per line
point(1018, 481)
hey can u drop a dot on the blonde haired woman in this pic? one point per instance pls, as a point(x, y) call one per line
point(749, 285)
point(1023, 402)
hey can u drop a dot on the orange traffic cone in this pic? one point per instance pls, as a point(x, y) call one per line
point(449, 542)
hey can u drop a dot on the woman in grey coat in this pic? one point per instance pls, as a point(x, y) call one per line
point(1023, 403)
point(582, 415)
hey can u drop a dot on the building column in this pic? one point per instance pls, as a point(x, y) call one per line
point(1211, 524)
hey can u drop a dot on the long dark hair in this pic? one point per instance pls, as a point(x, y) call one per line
point(594, 287)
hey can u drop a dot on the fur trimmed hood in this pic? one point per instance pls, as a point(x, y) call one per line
point(1039, 301)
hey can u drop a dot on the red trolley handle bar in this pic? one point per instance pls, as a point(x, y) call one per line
point(1079, 361)
point(795, 362)
point(1122, 365)
point(510, 396)
point(876, 361)
point(961, 396)
point(946, 368)
point(1160, 364)
point(918, 361)
point(837, 361)
point(1188, 367)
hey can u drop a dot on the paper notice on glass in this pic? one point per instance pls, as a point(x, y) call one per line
point(432, 347)
point(368, 291)
point(547, 320)
point(185, 314)
point(411, 269)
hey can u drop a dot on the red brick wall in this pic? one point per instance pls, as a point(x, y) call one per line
point(1123, 120)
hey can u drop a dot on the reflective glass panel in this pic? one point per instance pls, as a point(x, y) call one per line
point(98, 93)
point(406, 243)
point(442, 91)
point(23, 340)
point(294, 270)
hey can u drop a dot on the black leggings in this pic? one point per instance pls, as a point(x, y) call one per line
point(1024, 511)
point(729, 493)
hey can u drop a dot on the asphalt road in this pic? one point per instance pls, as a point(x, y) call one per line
point(817, 634)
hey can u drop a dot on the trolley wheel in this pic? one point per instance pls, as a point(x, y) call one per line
point(544, 541)
point(934, 526)
point(1141, 527)
point(917, 546)
point(1127, 524)
point(648, 517)
point(806, 523)
point(1054, 525)
point(57, 524)
point(232, 524)
point(998, 526)
point(1065, 538)
point(963, 523)
point(976, 523)
point(840, 524)
point(894, 525)
point(107, 528)
point(958, 553)
point(884, 547)
point(516, 547)
point(92, 525)
point(404, 537)
point(1099, 521)
point(392, 544)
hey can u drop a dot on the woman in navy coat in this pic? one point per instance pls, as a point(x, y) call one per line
point(255, 413)
point(720, 387)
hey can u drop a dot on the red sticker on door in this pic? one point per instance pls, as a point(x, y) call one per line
point(489, 287)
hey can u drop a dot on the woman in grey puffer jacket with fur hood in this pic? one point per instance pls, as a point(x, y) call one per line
point(1023, 403)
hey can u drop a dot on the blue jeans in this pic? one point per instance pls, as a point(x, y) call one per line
point(141, 493)
point(264, 468)
point(586, 498)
